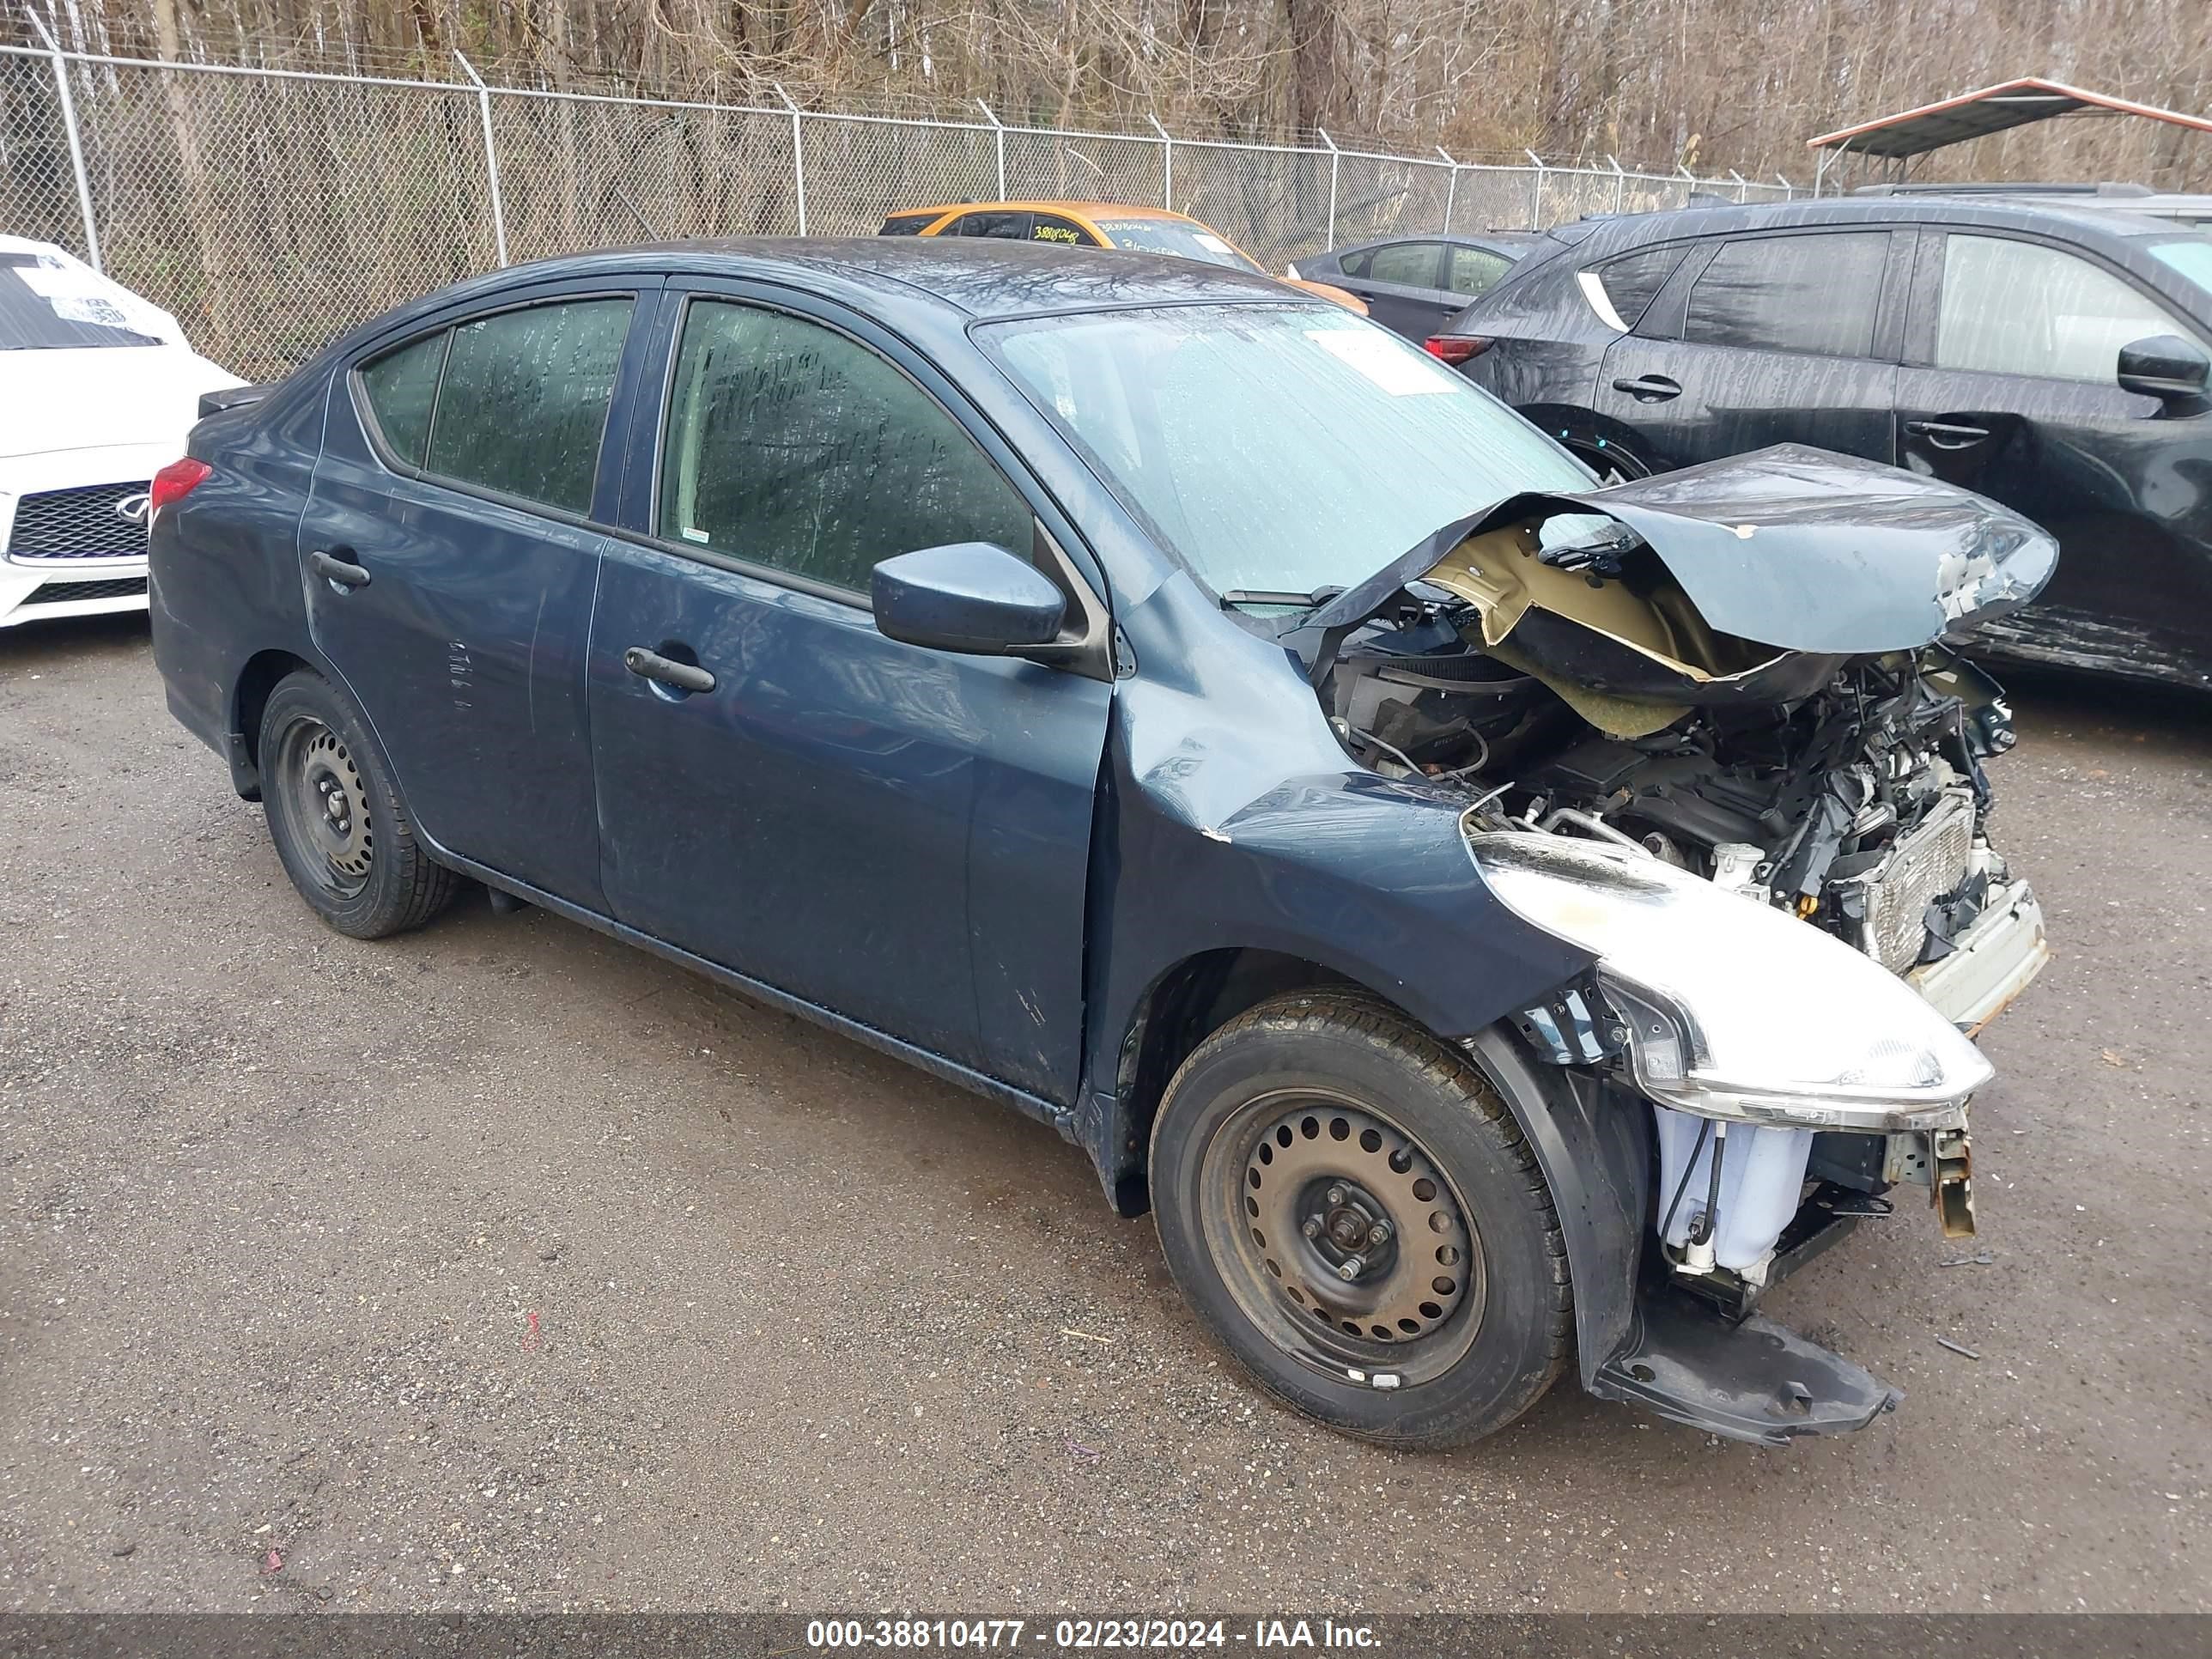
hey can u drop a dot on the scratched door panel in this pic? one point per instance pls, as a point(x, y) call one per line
point(467, 651)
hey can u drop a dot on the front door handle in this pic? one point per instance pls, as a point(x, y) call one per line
point(342, 573)
point(1948, 434)
point(1650, 388)
point(652, 665)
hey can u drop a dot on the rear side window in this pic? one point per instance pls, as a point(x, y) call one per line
point(2014, 308)
point(523, 402)
point(1002, 226)
point(1634, 283)
point(908, 224)
point(793, 447)
point(403, 387)
point(1809, 294)
point(1410, 264)
point(1474, 271)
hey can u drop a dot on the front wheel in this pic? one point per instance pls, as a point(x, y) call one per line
point(1351, 1208)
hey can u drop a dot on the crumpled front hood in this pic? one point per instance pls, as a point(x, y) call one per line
point(1790, 547)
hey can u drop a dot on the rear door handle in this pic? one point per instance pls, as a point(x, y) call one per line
point(1948, 434)
point(1649, 389)
point(331, 569)
point(652, 665)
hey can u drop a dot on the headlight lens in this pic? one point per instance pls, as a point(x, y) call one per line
point(1735, 1010)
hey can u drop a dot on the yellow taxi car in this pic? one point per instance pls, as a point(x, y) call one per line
point(1095, 224)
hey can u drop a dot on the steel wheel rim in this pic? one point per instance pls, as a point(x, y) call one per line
point(1285, 1218)
point(328, 799)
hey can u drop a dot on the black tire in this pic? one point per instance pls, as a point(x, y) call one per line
point(1493, 1326)
point(1611, 462)
point(336, 816)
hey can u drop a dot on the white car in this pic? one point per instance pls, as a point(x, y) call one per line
point(98, 389)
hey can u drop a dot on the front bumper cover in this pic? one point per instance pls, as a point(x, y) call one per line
point(1754, 1381)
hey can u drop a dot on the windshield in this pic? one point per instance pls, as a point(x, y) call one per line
point(45, 305)
point(1280, 449)
point(1176, 236)
point(2189, 255)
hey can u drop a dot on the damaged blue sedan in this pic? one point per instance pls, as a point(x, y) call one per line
point(1496, 924)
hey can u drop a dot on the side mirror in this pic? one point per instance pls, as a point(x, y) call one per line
point(969, 596)
point(2169, 368)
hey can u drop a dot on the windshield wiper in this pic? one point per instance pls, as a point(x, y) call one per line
point(1237, 598)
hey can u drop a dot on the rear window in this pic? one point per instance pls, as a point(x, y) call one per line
point(906, 224)
point(1631, 284)
point(46, 305)
point(1815, 294)
point(1176, 236)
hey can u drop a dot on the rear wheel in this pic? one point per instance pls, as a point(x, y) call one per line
point(1349, 1206)
point(342, 831)
point(1612, 464)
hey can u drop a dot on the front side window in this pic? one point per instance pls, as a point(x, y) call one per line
point(1473, 271)
point(1409, 264)
point(1051, 228)
point(1278, 447)
point(521, 402)
point(1815, 293)
point(2012, 308)
point(792, 446)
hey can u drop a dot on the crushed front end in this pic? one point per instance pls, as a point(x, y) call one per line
point(1706, 726)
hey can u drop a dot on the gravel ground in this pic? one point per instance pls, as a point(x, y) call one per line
point(501, 1266)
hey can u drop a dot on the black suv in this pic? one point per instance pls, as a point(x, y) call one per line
point(2053, 357)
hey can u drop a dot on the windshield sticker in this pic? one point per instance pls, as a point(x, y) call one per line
point(84, 297)
point(1210, 243)
point(1383, 360)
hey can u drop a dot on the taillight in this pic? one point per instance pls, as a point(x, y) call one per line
point(1454, 348)
point(174, 481)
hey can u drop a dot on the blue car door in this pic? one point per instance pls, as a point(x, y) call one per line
point(448, 558)
point(898, 835)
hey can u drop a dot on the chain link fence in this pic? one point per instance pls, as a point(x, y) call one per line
point(271, 209)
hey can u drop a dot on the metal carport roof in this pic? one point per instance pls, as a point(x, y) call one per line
point(1977, 114)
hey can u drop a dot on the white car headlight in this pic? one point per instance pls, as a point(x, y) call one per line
point(1735, 1010)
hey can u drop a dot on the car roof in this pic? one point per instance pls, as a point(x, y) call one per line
point(1083, 210)
point(1515, 240)
point(977, 277)
point(24, 245)
point(1994, 212)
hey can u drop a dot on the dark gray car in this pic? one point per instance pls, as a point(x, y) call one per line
point(1414, 285)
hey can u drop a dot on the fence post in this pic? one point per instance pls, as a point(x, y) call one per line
point(1619, 184)
point(1789, 189)
point(999, 135)
point(797, 162)
point(1167, 163)
point(1536, 196)
point(1742, 188)
point(491, 155)
point(1333, 161)
point(1451, 187)
point(76, 144)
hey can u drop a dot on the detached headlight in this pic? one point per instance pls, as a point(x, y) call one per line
point(1735, 1010)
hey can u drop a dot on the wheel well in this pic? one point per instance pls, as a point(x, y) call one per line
point(260, 675)
point(1187, 1004)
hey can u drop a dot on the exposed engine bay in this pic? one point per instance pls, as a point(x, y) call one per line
point(1562, 667)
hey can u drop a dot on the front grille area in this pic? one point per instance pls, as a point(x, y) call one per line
point(78, 523)
point(1924, 866)
point(69, 593)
